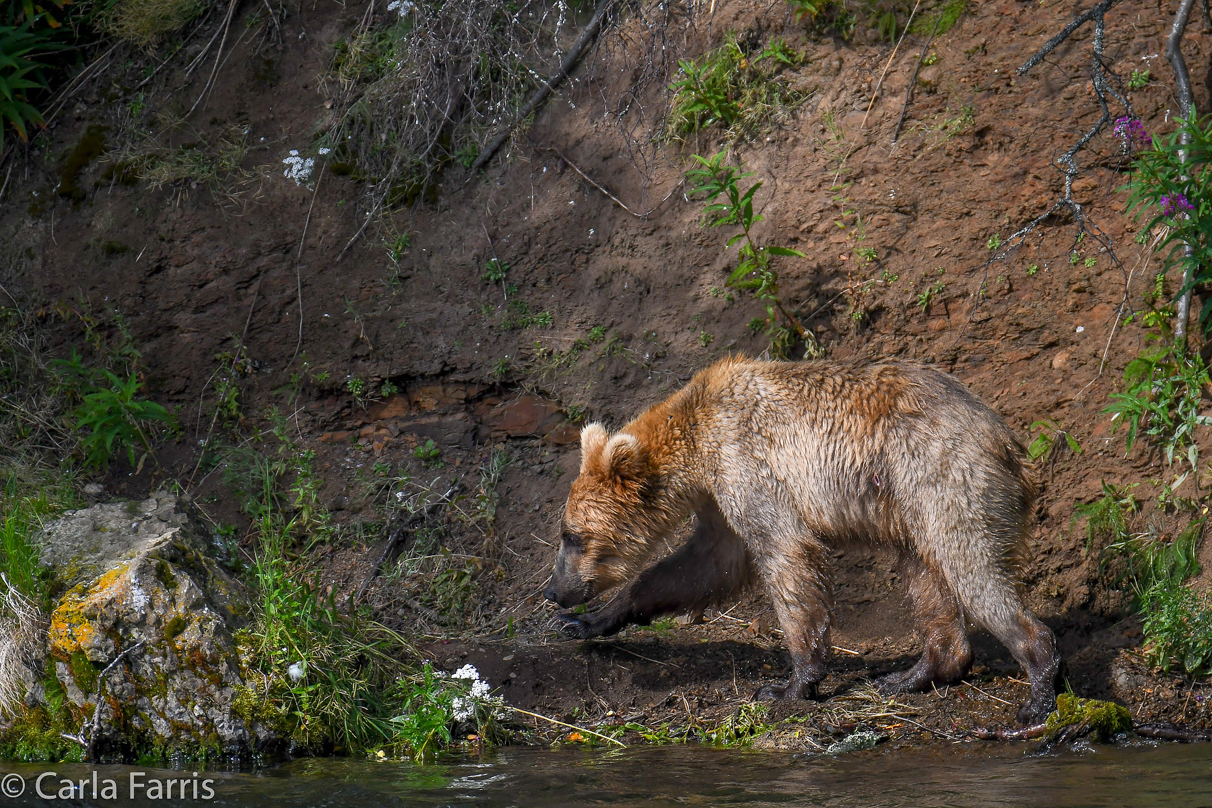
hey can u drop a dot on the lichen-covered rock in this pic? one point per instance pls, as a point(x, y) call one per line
point(143, 642)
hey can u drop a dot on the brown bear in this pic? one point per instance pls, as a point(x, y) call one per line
point(784, 462)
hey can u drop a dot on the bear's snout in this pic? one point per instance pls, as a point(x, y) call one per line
point(568, 596)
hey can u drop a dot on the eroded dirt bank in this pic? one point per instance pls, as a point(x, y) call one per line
point(414, 379)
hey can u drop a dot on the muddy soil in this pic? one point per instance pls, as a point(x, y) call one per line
point(637, 306)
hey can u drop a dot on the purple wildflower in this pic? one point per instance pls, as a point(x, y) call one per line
point(1132, 132)
point(1176, 204)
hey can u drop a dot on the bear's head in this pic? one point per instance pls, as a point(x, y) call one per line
point(615, 511)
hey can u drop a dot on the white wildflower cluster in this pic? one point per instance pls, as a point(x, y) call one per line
point(298, 168)
point(401, 7)
point(464, 707)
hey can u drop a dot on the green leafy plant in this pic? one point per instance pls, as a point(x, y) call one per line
point(519, 316)
point(21, 73)
point(1139, 79)
point(1151, 558)
point(754, 272)
point(1176, 194)
point(1107, 516)
point(829, 16)
point(1047, 440)
point(1177, 627)
point(111, 416)
point(429, 454)
point(738, 89)
point(325, 675)
point(1163, 400)
point(925, 298)
point(994, 242)
point(495, 271)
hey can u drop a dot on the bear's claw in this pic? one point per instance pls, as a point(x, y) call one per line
point(579, 627)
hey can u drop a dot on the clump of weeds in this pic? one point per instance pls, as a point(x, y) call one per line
point(736, 87)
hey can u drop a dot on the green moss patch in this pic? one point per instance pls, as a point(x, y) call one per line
point(1103, 719)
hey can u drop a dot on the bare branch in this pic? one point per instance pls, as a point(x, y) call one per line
point(1186, 103)
point(549, 86)
point(1098, 12)
point(1103, 89)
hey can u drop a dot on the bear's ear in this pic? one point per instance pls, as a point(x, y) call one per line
point(623, 457)
point(593, 441)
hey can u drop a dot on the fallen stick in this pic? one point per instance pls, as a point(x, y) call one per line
point(1165, 731)
point(609, 195)
point(888, 64)
point(570, 726)
point(913, 80)
point(548, 87)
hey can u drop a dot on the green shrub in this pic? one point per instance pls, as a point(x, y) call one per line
point(753, 272)
point(434, 704)
point(1169, 191)
point(1177, 623)
point(1177, 627)
point(730, 86)
point(111, 416)
point(1163, 399)
point(1107, 516)
point(21, 73)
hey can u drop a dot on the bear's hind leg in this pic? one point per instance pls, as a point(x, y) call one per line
point(946, 653)
point(710, 566)
point(984, 587)
point(803, 600)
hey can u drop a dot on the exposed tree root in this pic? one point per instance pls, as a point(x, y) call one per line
point(1105, 86)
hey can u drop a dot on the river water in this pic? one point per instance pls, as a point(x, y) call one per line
point(965, 775)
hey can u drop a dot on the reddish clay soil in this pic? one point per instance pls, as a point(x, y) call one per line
point(191, 272)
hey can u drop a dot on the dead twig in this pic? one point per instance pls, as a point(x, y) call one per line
point(609, 195)
point(88, 732)
point(588, 34)
point(1003, 734)
point(1103, 89)
point(887, 64)
point(210, 81)
point(299, 263)
point(569, 726)
point(913, 80)
point(1166, 731)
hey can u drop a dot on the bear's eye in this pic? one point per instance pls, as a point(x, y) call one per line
point(571, 539)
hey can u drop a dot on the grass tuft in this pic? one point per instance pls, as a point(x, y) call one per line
point(146, 22)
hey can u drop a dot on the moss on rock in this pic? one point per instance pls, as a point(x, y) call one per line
point(1103, 719)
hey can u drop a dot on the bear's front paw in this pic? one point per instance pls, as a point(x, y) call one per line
point(579, 626)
